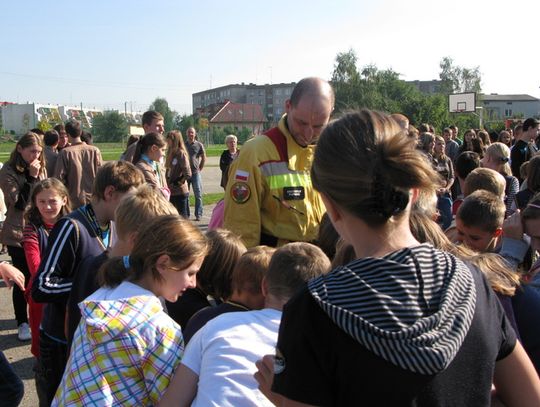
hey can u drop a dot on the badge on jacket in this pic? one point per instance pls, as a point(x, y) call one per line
point(240, 192)
point(294, 193)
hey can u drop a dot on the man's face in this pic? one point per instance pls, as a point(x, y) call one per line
point(532, 133)
point(308, 118)
point(157, 126)
point(62, 139)
point(447, 135)
point(476, 238)
point(191, 134)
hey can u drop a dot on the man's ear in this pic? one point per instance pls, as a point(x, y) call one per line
point(264, 287)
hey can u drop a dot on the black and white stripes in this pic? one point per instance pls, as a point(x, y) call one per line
point(412, 307)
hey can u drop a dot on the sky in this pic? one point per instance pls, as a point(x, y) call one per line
point(113, 54)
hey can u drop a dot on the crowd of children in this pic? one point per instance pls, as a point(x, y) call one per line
point(423, 291)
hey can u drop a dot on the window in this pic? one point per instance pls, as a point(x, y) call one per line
point(508, 112)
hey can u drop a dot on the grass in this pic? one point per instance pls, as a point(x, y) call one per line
point(109, 151)
point(208, 199)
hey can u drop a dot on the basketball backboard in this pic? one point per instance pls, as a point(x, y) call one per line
point(462, 103)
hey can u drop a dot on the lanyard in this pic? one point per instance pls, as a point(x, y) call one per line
point(90, 216)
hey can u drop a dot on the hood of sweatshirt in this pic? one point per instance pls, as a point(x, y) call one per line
point(413, 307)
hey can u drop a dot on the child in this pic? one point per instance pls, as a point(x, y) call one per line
point(219, 362)
point(135, 211)
point(84, 232)
point(214, 279)
point(126, 348)
point(416, 319)
point(49, 201)
point(25, 166)
point(246, 289)
point(149, 153)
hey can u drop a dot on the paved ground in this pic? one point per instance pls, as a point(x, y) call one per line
point(18, 353)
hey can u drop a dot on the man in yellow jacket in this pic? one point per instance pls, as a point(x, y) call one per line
point(269, 197)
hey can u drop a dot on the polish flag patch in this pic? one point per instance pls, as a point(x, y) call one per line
point(241, 175)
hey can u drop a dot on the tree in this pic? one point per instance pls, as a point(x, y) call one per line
point(162, 106)
point(110, 126)
point(44, 125)
point(457, 79)
point(345, 80)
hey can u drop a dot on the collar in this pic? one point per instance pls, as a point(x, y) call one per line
point(149, 161)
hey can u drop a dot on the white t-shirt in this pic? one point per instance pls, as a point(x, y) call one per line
point(223, 354)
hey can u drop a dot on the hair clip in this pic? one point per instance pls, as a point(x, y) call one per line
point(125, 259)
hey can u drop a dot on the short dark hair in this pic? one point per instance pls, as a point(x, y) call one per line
point(73, 128)
point(86, 136)
point(51, 138)
point(150, 116)
point(60, 128)
point(466, 162)
point(292, 266)
point(530, 123)
point(38, 131)
point(122, 175)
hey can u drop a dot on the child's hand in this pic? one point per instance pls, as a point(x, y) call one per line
point(513, 227)
point(11, 275)
point(33, 168)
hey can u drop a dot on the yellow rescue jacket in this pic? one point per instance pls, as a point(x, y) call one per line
point(269, 190)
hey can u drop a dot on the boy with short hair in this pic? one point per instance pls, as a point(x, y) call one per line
point(486, 179)
point(246, 294)
point(87, 231)
point(219, 362)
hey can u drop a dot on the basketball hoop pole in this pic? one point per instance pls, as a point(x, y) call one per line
point(480, 116)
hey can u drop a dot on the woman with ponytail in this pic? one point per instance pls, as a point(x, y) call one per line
point(126, 348)
point(405, 323)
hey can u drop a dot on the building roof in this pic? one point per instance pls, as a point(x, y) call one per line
point(509, 98)
point(239, 113)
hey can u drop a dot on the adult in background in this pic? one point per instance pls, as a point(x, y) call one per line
point(25, 166)
point(178, 171)
point(521, 151)
point(77, 166)
point(152, 122)
point(269, 197)
point(197, 158)
point(63, 141)
point(50, 151)
point(227, 158)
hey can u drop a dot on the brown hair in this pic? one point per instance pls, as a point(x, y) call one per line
point(177, 145)
point(500, 277)
point(532, 210)
point(292, 266)
point(251, 268)
point(122, 175)
point(482, 209)
point(73, 128)
point(28, 140)
point(328, 236)
point(486, 179)
point(215, 275)
point(149, 116)
point(425, 140)
point(32, 214)
point(533, 174)
point(376, 169)
point(484, 136)
point(184, 244)
point(147, 141)
point(139, 208)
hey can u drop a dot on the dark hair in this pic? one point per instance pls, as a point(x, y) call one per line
point(533, 174)
point(37, 131)
point(60, 128)
point(86, 136)
point(51, 138)
point(366, 165)
point(310, 86)
point(530, 123)
point(292, 266)
point(73, 128)
point(149, 116)
point(122, 175)
point(147, 141)
point(184, 244)
point(32, 214)
point(28, 140)
point(424, 128)
point(466, 162)
point(328, 237)
point(215, 275)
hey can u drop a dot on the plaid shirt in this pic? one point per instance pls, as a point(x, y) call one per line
point(124, 353)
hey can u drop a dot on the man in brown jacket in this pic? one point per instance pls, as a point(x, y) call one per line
point(77, 166)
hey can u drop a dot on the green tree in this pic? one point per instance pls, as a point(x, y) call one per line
point(162, 106)
point(183, 122)
point(457, 79)
point(110, 126)
point(44, 125)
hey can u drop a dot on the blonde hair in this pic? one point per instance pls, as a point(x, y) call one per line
point(366, 164)
point(139, 208)
point(501, 154)
point(486, 179)
point(251, 268)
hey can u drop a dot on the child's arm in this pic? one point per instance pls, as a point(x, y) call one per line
point(55, 273)
point(514, 246)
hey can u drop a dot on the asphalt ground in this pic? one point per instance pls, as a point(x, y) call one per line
point(18, 353)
